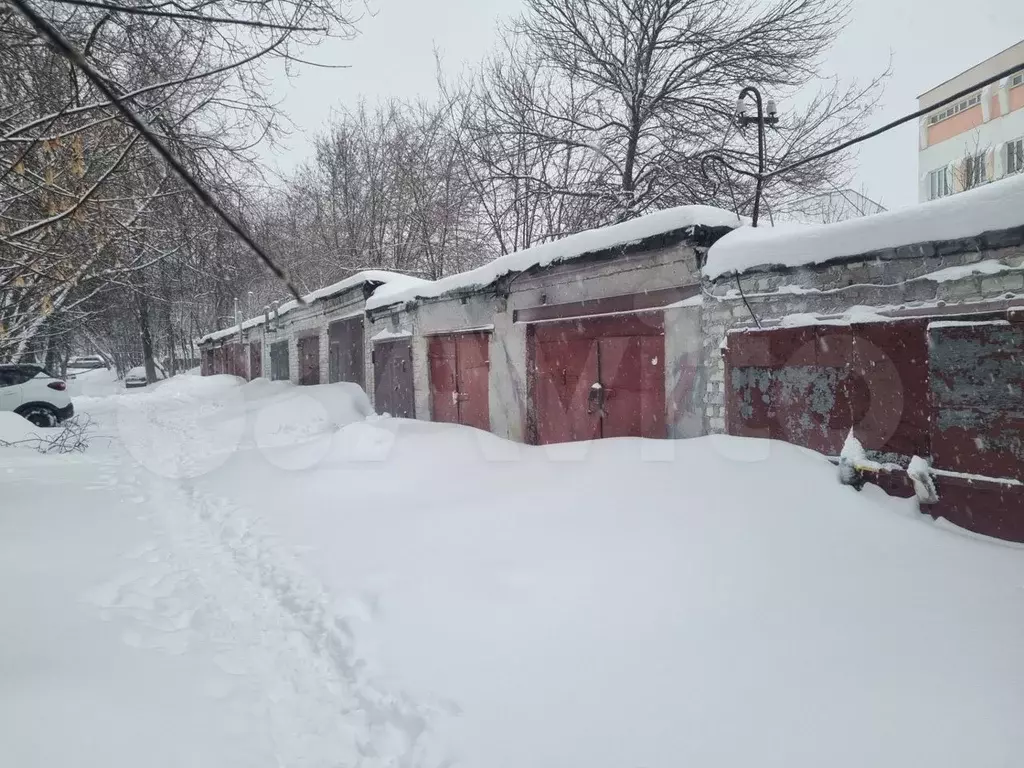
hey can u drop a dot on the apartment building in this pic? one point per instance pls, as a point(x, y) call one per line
point(977, 139)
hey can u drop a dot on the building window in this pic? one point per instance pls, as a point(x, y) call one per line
point(955, 109)
point(1015, 156)
point(1017, 79)
point(938, 183)
point(975, 171)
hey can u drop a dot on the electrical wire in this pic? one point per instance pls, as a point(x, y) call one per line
point(69, 52)
point(895, 123)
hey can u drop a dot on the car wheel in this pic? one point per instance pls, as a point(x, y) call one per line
point(40, 415)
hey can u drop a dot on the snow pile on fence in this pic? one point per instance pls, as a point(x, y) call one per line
point(388, 280)
point(993, 207)
point(565, 249)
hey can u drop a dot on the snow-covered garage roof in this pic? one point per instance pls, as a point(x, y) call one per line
point(993, 207)
point(566, 249)
point(384, 278)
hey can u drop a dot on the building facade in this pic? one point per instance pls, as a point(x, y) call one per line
point(978, 139)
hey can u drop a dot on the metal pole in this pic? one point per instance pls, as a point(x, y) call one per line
point(759, 179)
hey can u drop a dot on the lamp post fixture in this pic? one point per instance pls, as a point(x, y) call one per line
point(742, 119)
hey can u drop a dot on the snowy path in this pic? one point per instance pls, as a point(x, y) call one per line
point(74, 691)
point(193, 578)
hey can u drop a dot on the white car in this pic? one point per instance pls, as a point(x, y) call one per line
point(88, 363)
point(30, 391)
point(136, 377)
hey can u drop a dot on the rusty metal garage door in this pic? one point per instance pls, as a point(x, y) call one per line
point(393, 391)
point(345, 351)
point(598, 377)
point(234, 359)
point(255, 359)
point(309, 360)
point(810, 385)
point(459, 379)
point(279, 363)
point(976, 375)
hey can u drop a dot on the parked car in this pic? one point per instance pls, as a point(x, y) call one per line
point(87, 363)
point(32, 392)
point(136, 377)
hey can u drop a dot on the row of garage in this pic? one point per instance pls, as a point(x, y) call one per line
point(573, 349)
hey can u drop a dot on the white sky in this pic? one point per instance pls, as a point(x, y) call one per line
point(930, 41)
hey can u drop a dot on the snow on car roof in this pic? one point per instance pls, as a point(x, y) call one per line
point(565, 249)
point(992, 207)
point(381, 276)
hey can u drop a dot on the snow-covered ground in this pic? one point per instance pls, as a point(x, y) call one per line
point(264, 575)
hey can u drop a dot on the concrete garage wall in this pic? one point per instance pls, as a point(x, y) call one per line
point(684, 382)
point(640, 272)
point(299, 322)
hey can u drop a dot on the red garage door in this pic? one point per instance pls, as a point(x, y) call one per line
point(459, 375)
point(598, 377)
point(309, 360)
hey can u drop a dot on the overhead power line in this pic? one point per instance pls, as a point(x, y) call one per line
point(69, 52)
point(141, 11)
point(889, 126)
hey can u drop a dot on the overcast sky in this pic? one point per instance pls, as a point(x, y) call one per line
point(930, 41)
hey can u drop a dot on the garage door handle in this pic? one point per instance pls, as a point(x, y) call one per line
point(595, 399)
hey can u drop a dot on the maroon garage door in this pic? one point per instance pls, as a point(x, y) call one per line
point(598, 377)
point(459, 379)
point(255, 359)
point(950, 391)
point(309, 360)
point(976, 377)
point(811, 385)
point(392, 374)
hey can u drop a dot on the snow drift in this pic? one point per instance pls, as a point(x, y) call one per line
point(992, 207)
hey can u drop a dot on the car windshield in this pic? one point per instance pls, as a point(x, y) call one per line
point(511, 384)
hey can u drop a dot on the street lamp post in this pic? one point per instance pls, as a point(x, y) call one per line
point(742, 120)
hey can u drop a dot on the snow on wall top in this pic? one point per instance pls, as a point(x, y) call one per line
point(566, 249)
point(392, 280)
point(995, 206)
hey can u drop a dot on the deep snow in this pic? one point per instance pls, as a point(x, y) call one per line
point(259, 574)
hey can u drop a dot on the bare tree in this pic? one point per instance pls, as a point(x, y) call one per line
point(643, 88)
point(80, 195)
